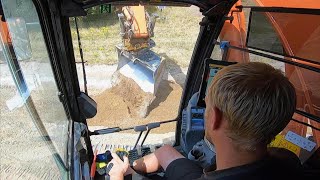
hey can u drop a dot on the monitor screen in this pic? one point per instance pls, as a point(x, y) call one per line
point(211, 68)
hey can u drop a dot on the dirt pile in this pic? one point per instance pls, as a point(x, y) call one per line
point(136, 99)
point(116, 111)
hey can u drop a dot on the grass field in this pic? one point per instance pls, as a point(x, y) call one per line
point(175, 32)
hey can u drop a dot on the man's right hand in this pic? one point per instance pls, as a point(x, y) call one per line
point(119, 168)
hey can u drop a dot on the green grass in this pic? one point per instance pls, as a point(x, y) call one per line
point(176, 32)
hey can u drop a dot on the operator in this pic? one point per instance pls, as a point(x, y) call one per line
point(247, 105)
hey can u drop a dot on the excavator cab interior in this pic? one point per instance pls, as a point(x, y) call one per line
point(82, 78)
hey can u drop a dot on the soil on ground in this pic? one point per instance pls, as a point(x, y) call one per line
point(119, 109)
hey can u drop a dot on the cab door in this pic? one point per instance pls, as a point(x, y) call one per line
point(35, 121)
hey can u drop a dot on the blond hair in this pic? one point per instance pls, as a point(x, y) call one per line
point(257, 100)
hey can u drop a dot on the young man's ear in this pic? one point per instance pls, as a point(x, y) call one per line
point(216, 118)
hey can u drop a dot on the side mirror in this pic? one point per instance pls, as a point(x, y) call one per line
point(87, 105)
point(20, 38)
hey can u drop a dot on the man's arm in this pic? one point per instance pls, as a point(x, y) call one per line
point(162, 157)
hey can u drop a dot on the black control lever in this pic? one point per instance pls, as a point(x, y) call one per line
point(106, 131)
point(136, 128)
point(149, 127)
point(139, 129)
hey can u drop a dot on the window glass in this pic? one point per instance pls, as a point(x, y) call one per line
point(307, 91)
point(23, 153)
point(29, 96)
point(279, 35)
point(135, 93)
point(216, 53)
point(274, 34)
point(263, 36)
point(307, 88)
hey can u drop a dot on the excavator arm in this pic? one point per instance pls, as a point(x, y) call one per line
point(136, 27)
point(137, 63)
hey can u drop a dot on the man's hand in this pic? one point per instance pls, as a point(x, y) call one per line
point(120, 168)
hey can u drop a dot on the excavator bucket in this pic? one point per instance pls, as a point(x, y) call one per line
point(145, 68)
point(139, 70)
point(137, 79)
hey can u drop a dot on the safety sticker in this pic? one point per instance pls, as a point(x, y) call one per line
point(281, 142)
point(300, 141)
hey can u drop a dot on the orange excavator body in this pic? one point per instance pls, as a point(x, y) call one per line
point(235, 34)
point(5, 32)
point(305, 45)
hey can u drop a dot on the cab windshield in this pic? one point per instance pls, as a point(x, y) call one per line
point(133, 61)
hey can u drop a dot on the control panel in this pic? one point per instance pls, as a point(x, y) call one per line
point(193, 121)
point(192, 127)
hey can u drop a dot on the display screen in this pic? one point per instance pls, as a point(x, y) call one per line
point(211, 68)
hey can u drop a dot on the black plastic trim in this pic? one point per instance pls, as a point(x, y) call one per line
point(61, 36)
point(311, 68)
point(248, 34)
point(210, 28)
point(308, 115)
point(306, 124)
point(283, 10)
point(294, 57)
point(44, 23)
point(137, 128)
point(200, 4)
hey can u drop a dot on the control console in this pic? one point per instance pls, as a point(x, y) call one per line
point(193, 121)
